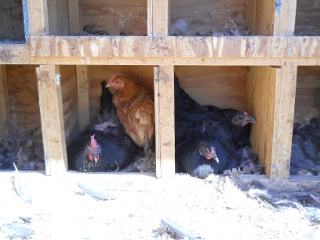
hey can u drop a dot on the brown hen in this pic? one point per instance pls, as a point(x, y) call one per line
point(135, 109)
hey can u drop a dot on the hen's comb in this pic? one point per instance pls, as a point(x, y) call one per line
point(113, 77)
point(94, 144)
point(245, 113)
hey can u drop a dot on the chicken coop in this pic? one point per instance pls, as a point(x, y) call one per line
point(258, 56)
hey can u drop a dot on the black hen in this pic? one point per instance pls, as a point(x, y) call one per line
point(108, 121)
point(189, 113)
point(209, 135)
point(96, 151)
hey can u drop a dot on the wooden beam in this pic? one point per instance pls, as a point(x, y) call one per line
point(164, 120)
point(286, 93)
point(4, 103)
point(260, 17)
point(83, 86)
point(38, 17)
point(75, 20)
point(166, 47)
point(262, 87)
point(284, 17)
point(158, 17)
point(52, 122)
point(69, 50)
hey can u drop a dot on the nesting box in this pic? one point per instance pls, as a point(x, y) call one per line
point(21, 135)
point(204, 42)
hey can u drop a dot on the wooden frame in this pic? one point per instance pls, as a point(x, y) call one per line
point(275, 20)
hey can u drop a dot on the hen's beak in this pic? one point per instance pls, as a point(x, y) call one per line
point(215, 157)
point(249, 119)
point(108, 85)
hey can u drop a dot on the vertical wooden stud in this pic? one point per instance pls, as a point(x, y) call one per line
point(4, 103)
point(52, 121)
point(83, 86)
point(271, 18)
point(38, 17)
point(270, 98)
point(262, 85)
point(284, 119)
point(158, 17)
point(164, 120)
point(284, 17)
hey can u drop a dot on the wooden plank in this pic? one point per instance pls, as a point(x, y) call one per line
point(4, 103)
point(262, 86)
point(24, 101)
point(69, 93)
point(83, 86)
point(38, 17)
point(75, 18)
point(286, 91)
point(271, 18)
point(164, 120)
point(284, 17)
point(52, 121)
point(303, 51)
point(260, 17)
point(158, 17)
point(58, 17)
point(222, 86)
point(166, 47)
point(116, 18)
point(207, 17)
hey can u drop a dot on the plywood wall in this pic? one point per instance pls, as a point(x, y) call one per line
point(307, 103)
point(308, 18)
point(224, 87)
point(23, 100)
point(97, 74)
point(11, 18)
point(58, 17)
point(116, 17)
point(206, 17)
point(70, 101)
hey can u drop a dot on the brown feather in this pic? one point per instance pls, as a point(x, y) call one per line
point(135, 110)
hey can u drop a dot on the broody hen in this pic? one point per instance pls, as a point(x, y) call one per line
point(96, 151)
point(189, 113)
point(135, 109)
point(213, 139)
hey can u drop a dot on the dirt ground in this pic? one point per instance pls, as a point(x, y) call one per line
point(136, 206)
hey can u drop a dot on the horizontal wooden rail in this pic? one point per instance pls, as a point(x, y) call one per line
point(165, 50)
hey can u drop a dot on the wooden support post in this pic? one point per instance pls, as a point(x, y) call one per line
point(4, 103)
point(284, 17)
point(271, 18)
point(75, 20)
point(270, 98)
point(52, 121)
point(262, 86)
point(164, 120)
point(83, 86)
point(38, 17)
point(284, 120)
point(260, 15)
point(158, 17)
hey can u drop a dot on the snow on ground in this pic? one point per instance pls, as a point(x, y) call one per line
point(102, 206)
